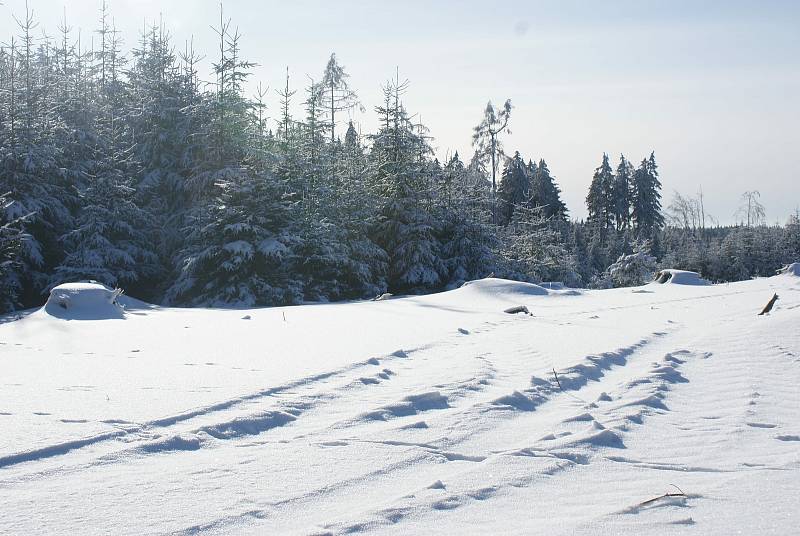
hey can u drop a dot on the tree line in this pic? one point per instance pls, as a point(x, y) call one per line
point(128, 168)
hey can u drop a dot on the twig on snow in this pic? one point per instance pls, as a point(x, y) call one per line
point(666, 495)
point(558, 382)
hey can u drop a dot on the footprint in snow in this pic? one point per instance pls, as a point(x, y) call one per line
point(554, 436)
point(326, 444)
point(458, 457)
point(369, 381)
point(579, 418)
point(761, 425)
point(788, 437)
point(415, 425)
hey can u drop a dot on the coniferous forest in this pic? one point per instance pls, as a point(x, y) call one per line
point(126, 165)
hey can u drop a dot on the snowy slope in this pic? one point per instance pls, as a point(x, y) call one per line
point(435, 414)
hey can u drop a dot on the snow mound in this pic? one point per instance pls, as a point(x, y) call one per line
point(679, 277)
point(791, 269)
point(552, 285)
point(84, 301)
point(495, 286)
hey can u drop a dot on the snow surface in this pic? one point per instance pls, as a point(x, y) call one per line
point(422, 415)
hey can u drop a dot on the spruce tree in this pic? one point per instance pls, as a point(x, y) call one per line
point(621, 194)
point(109, 242)
point(162, 116)
point(599, 202)
point(11, 239)
point(404, 227)
point(463, 226)
point(515, 188)
point(546, 193)
point(531, 249)
point(646, 198)
point(237, 254)
point(33, 170)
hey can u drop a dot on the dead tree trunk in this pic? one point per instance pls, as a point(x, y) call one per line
point(767, 308)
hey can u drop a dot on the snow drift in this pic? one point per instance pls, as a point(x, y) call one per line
point(679, 277)
point(495, 286)
point(84, 301)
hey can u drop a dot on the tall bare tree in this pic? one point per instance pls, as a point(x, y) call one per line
point(751, 209)
point(334, 92)
point(486, 137)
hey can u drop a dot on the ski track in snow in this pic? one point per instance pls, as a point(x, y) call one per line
point(696, 392)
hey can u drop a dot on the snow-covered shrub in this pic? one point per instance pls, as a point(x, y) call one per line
point(632, 270)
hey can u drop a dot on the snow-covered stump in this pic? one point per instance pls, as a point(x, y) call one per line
point(679, 277)
point(517, 310)
point(84, 301)
point(792, 269)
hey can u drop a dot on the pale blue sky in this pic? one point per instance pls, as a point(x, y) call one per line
point(711, 86)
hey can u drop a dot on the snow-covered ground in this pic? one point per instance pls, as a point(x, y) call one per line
point(423, 415)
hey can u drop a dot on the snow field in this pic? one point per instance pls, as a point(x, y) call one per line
point(435, 414)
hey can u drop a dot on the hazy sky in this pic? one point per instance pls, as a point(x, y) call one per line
point(711, 86)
